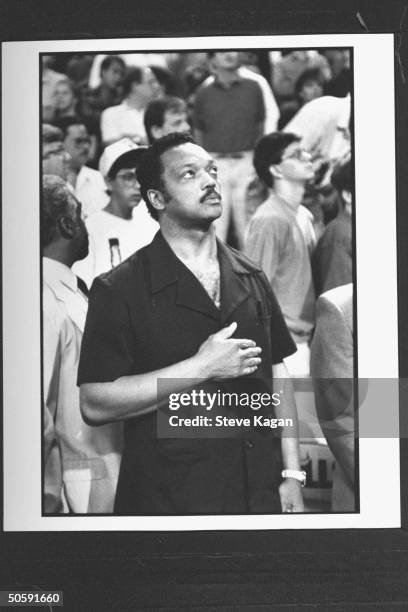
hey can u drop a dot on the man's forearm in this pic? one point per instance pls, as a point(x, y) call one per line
point(132, 396)
point(290, 489)
point(287, 410)
point(220, 356)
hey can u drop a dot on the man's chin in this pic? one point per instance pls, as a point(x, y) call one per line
point(206, 223)
point(214, 212)
point(133, 202)
point(212, 218)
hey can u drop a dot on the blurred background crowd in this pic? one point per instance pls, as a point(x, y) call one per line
point(291, 104)
point(113, 94)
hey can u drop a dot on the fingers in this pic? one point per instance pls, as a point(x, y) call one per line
point(251, 359)
point(226, 332)
point(250, 363)
point(251, 352)
point(249, 370)
point(243, 343)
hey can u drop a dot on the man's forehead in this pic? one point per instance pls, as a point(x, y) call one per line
point(184, 154)
point(76, 128)
point(293, 146)
point(127, 168)
point(172, 113)
point(57, 145)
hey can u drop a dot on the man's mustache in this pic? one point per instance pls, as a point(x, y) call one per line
point(210, 192)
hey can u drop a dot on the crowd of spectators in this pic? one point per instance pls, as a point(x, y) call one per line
point(258, 112)
point(144, 96)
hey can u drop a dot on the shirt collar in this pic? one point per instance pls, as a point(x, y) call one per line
point(237, 78)
point(287, 209)
point(125, 104)
point(166, 268)
point(55, 273)
point(82, 176)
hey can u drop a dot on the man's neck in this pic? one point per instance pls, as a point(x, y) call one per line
point(135, 102)
point(291, 193)
point(190, 245)
point(73, 176)
point(59, 253)
point(115, 208)
point(227, 77)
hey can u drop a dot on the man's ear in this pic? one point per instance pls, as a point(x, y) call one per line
point(108, 183)
point(156, 199)
point(347, 196)
point(156, 131)
point(275, 170)
point(66, 226)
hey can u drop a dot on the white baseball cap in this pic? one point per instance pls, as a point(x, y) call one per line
point(113, 152)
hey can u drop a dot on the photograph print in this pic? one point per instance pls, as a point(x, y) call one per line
point(197, 267)
point(200, 218)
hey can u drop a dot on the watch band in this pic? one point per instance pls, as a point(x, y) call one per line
point(299, 475)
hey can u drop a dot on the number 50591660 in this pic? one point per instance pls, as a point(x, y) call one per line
point(33, 598)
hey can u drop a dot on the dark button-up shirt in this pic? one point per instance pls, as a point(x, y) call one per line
point(151, 312)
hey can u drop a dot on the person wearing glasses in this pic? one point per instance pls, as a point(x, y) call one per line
point(54, 159)
point(281, 237)
point(87, 183)
point(124, 224)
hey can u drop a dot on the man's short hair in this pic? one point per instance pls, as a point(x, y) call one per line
point(213, 52)
point(56, 201)
point(341, 178)
point(312, 74)
point(109, 60)
point(64, 123)
point(134, 75)
point(149, 172)
point(154, 115)
point(269, 151)
point(50, 134)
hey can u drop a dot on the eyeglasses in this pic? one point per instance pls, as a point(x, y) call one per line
point(82, 141)
point(299, 154)
point(129, 178)
point(60, 152)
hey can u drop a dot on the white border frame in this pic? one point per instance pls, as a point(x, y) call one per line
point(376, 253)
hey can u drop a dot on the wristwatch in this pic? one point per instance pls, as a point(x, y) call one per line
point(299, 475)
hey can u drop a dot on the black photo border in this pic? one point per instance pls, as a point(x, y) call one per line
point(263, 569)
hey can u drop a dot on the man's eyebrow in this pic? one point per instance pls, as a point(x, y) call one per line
point(189, 164)
point(195, 164)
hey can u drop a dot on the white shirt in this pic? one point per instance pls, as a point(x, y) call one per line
point(123, 120)
point(89, 456)
point(132, 234)
point(272, 112)
point(90, 189)
point(318, 122)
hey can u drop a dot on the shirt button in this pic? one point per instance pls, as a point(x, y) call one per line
point(249, 444)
